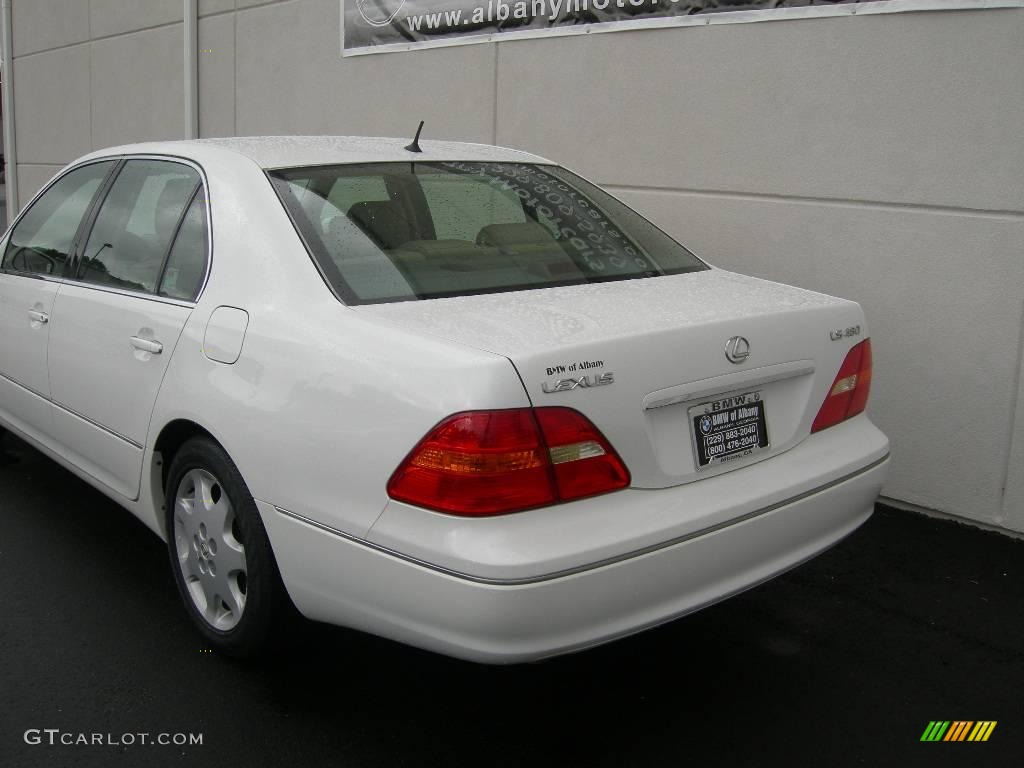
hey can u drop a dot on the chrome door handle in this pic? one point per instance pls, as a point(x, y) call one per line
point(153, 347)
point(38, 317)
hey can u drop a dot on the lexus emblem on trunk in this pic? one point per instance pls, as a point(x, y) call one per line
point(737, 349)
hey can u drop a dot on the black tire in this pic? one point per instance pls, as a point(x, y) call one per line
point(265, 602)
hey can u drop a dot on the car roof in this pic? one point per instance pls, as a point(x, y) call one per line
point(291, 151)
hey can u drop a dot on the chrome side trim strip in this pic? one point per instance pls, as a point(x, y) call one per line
point(17, 383)
point(86, 419)
point(104, 289)
point(589, 566)
point(730, 382)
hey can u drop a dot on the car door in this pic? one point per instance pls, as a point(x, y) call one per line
point(34, 260)
point(118, 317)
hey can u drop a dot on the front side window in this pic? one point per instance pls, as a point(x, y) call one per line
point(41, 241)
point(404, 231)
point(136, 224)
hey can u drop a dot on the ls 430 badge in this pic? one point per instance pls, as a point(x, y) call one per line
point(584, 382)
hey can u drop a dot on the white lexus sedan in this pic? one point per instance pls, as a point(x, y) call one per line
point(453, 395)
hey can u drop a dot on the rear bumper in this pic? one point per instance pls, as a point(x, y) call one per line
point(341, 580)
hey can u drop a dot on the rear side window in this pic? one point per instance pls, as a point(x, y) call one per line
point(41, 242)
point(136, 223)
point(186, 264)
point(422, 230)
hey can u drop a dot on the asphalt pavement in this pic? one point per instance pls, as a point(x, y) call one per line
point(844, 661)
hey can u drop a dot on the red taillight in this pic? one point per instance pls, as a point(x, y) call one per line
point(492, 462)
point(849, 393)
point(584, 462)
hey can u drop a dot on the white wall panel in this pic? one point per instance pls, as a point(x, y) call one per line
point(1013, 504)
point(217, 76)
point(207, 7)
point(138, 87)
point(38, 25)
point(908, 108)
point(115, 17)
point(51, 94)
point(291, 79)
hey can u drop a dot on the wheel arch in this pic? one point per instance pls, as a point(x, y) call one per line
point(172, 436)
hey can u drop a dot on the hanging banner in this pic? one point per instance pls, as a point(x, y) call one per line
point(382, 26)
point(377, 26)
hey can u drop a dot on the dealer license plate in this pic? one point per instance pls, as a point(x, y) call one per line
point(729, 428)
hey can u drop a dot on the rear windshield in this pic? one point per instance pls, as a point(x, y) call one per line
point(402, 231)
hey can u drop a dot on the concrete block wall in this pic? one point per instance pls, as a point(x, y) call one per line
point(872, 157)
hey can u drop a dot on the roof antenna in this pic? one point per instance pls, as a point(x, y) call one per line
point(415, 146)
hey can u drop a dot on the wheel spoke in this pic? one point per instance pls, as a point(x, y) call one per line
point(219, 513)
point(190, 563)
point(184, 532)
point(196, 590)
point(229, 594)
point(204, 490)
point(230, 558)
point(185, 507)
point(213, 607)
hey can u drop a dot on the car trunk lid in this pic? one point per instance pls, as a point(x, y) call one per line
point(645, 359)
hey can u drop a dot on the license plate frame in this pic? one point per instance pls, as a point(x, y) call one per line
point(713, 422)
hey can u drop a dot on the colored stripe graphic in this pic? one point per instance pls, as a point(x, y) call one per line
point(958, 730)
point(982, 730)
point(935, 730)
